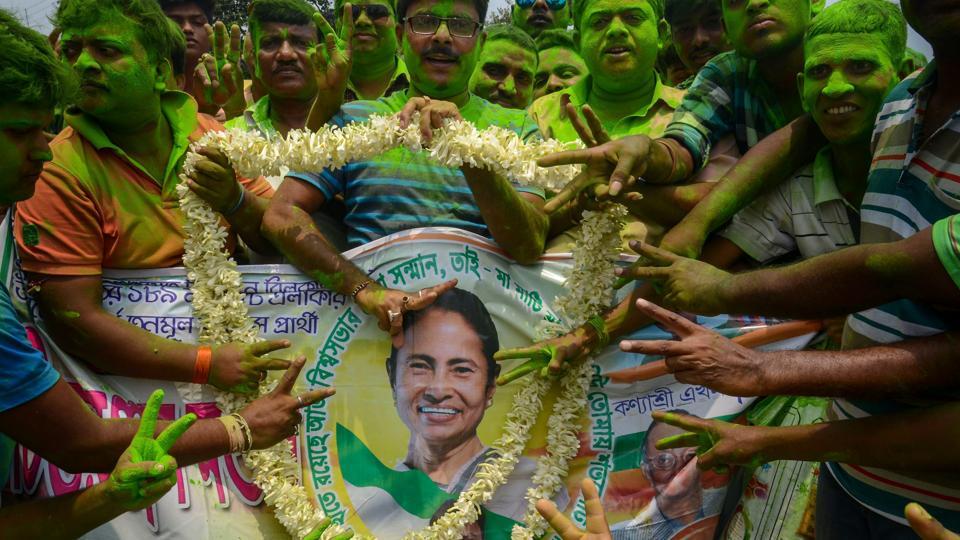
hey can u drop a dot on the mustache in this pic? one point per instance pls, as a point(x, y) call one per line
point(441, 50)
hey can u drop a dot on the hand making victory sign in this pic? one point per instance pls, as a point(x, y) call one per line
point(146, 471)
point(700, 356)
point(597, 528)
point(332, 61)
point(219, 75)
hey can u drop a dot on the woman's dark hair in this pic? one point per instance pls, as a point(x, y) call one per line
point(471, 308)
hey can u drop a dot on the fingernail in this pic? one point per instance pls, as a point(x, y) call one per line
point(158, 468)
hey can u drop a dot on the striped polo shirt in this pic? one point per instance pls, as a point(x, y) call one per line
point(806, 214)
point(911, 186)
point(402, 190)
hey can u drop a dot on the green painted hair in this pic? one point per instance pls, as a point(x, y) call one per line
point(864, 17)
point(30, 73)
point(674, 9)
point(156, 36)
point(580, 6)
point(555, 37)
point(511, 33)
point(295, 12)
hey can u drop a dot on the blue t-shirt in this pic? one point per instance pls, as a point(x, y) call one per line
point(24, 373)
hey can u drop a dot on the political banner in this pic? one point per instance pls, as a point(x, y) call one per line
point(409, 425)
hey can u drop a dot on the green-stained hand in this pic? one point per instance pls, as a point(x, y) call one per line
point(214, 181)
point(611, 167)
point(597, 528)
point(333, 59)
point(318, 531)
point(700, 356)
point(239, 368)
point(432, 114)
point(718, 443)
point(389, 305)
point(683, 284)
point(926, 527)
point(549, 356)
point(146, 471)
point(218, 79)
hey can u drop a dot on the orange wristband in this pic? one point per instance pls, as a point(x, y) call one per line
point(201, 369)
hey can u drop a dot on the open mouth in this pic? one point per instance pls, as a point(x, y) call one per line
point(618, 50)
point(842, 109)
point(438, 413)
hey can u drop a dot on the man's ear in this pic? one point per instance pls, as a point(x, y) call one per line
point(663, 33)
point(800, 79)
point(164, 73)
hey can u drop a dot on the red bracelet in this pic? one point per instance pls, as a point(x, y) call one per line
point(201, 369)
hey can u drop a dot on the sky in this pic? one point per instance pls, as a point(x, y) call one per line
point(36, 12)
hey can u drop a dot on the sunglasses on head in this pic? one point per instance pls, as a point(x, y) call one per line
point(554, 5)
point(373, 11)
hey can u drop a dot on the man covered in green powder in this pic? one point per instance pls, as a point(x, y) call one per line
point(506, 67)
point(38, 408)
point(401, 190)
point(559, 63)
point(536, 16)
point(377, 69)
point(108, 197)
point(283, 34)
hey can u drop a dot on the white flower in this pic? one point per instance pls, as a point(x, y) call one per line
point(220, 309)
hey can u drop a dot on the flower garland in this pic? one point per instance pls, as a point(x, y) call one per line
point(222, 313)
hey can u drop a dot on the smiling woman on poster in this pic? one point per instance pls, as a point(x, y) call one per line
point(443, 381)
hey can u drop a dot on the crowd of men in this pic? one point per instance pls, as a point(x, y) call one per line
point(738, 134)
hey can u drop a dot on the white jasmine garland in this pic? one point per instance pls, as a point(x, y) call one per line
point(222, 313)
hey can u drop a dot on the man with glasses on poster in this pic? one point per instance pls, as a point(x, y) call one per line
point(402, 190)
point(535, 16)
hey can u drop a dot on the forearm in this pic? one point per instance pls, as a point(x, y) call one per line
point(517, 225)
point(246, 222)
point(294, 233)
point(764, 166)
point(116, 346)
point(835, 284)
point(917, 367)
point(887, 441)
point(667, 205)
point(668, 162)
point(68, 516)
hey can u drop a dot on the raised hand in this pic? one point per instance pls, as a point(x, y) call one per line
point(717, 443)
point(239, 368)
point(926, 527)
point(592, 132)
point(597, 528)
point(683, 284)
point(389, 305)
point(701, 356)
point(145, 470)
point(432, 114)
point(276, 416)
point(333, 60)
point(611, 167)
point(548, 356)
point(217, 77)
point(214, 181)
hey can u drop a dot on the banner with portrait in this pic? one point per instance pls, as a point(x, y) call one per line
point(408, 425)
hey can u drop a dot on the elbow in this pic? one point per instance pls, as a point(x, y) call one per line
point(275, 217)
